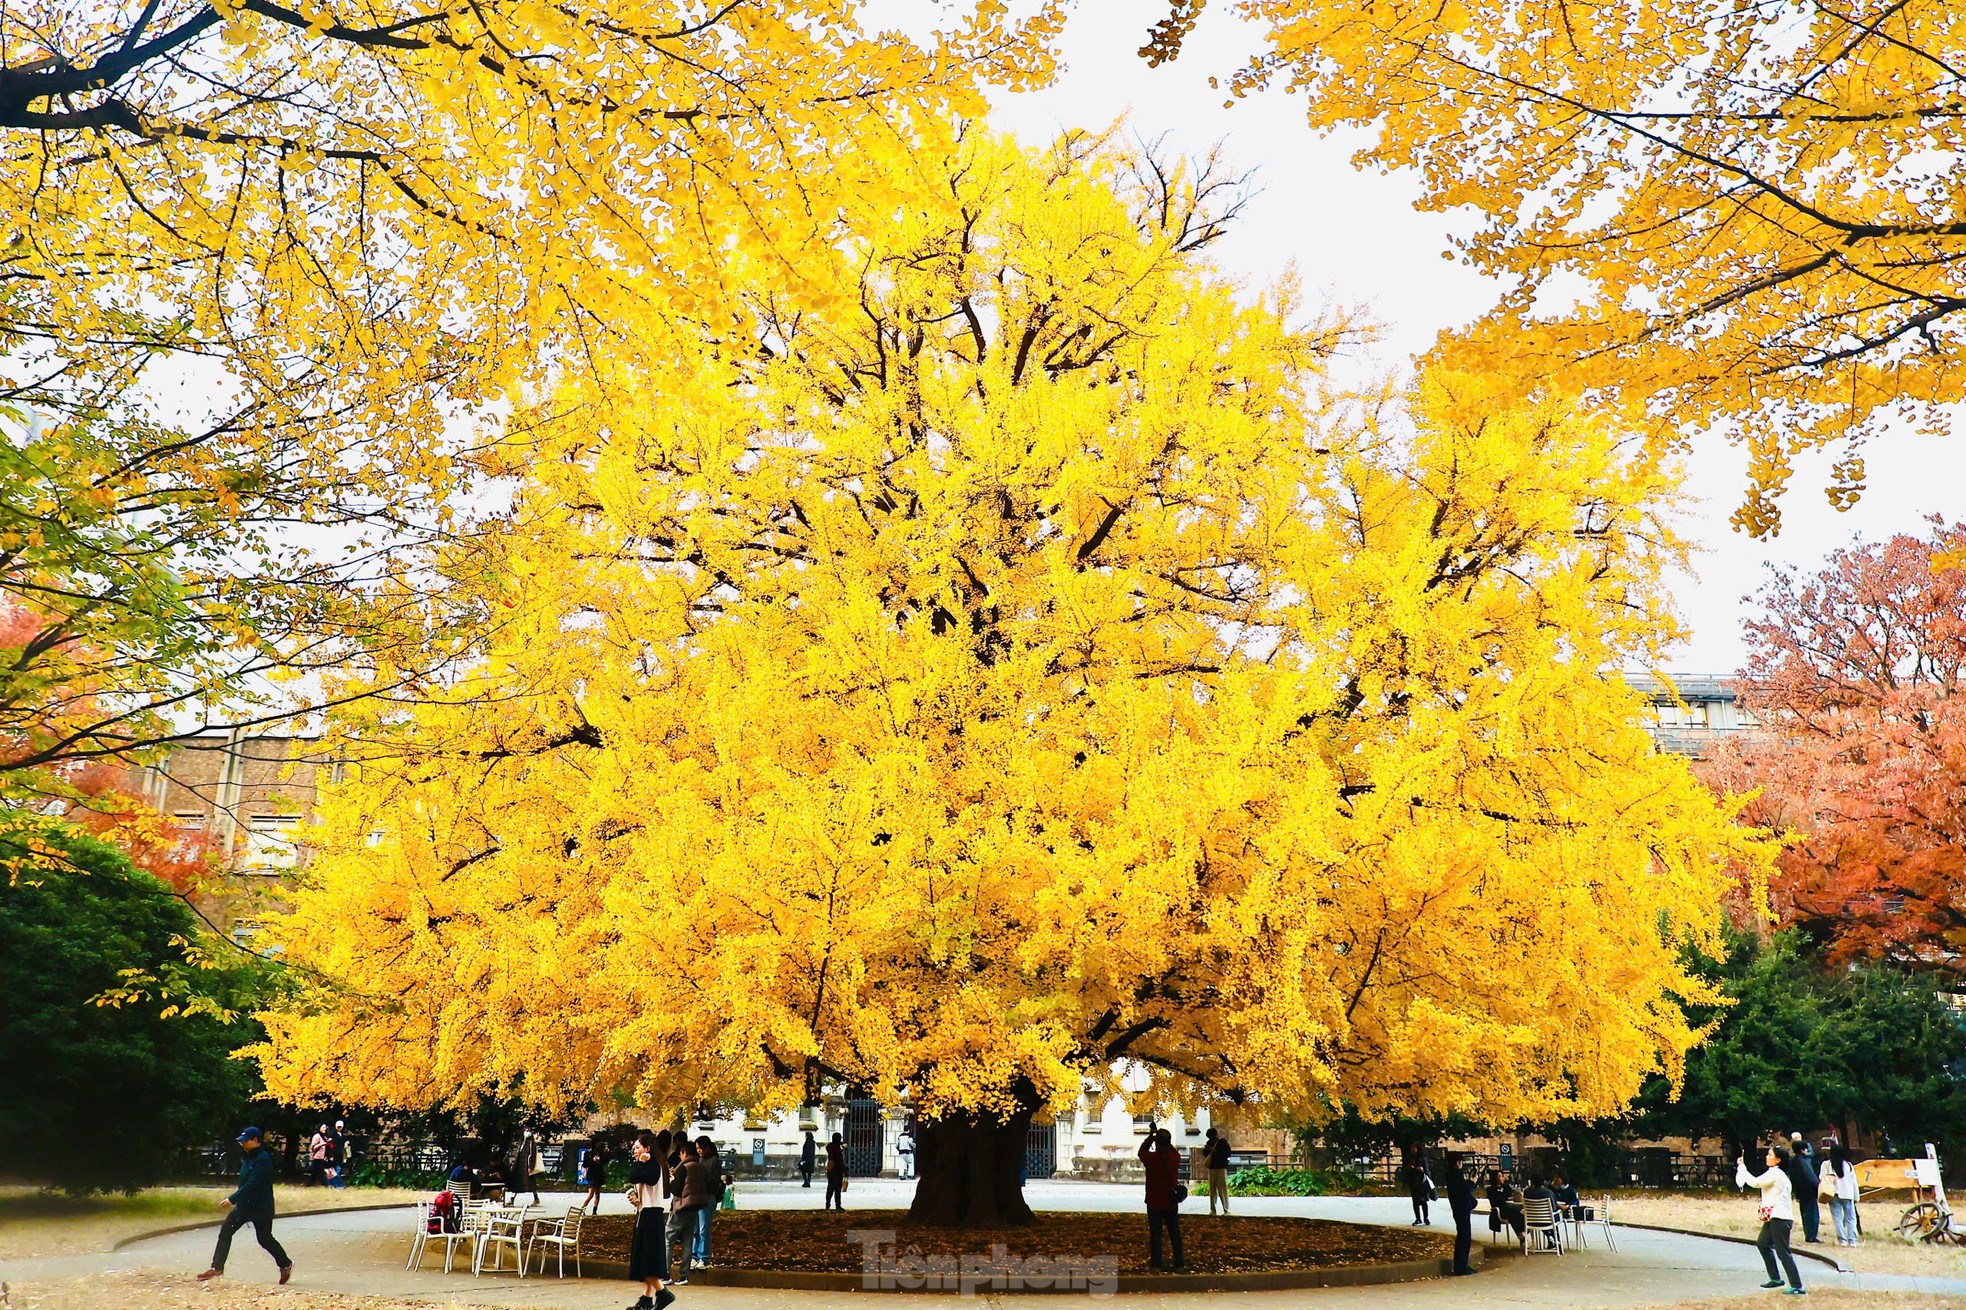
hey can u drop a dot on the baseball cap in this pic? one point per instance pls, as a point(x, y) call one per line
point(249, 1134)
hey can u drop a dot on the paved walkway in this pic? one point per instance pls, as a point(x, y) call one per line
point(363, 1252)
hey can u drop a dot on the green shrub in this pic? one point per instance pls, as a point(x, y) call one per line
point(1267, 1180)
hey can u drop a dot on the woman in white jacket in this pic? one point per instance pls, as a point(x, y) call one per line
point(1840, 1181)
point(1777, 1215)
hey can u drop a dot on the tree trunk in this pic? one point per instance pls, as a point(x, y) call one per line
point(972, 1172)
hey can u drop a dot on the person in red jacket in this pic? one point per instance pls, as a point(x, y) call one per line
point(1163, 1165)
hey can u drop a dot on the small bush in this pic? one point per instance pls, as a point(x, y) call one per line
point(1266, 1180)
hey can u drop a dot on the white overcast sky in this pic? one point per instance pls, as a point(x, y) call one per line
point(1357, 236)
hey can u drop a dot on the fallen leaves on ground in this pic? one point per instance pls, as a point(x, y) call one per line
point(804, 1241)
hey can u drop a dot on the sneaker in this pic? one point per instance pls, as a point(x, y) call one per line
point(1773, 1282)
point(1796, 1291)
point(679, 1282)
point(210, 1274)
point(286, 1272)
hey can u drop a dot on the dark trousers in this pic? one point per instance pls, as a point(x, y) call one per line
point(1463, 1241)
point(835, 1190)
point(1157, 1220)
point(1774, 1241)
point(1420, 1199)
point(235, 1219)
point(1812, 1214)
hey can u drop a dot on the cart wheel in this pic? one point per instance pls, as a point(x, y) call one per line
point(1923, 1222)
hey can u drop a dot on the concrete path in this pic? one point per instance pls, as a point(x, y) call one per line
point(364, 1252)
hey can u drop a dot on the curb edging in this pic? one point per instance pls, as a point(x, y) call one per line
point(1799, 1251)
point(174, 1229)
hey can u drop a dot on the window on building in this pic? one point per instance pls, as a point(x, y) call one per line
point(270, 843)
point(189, 820)
point(1141, 1123)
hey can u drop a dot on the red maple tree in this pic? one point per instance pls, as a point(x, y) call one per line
point(1855, 671)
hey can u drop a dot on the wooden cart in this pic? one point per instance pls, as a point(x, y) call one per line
point(1929, 1219)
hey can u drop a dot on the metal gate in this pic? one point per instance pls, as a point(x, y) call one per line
point(1041, 1151)
point(866, 1139)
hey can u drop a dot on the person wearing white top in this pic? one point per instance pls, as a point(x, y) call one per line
point(1777, 1215)
point(1840, 1184)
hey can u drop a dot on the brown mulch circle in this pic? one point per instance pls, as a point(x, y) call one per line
point(817, 1241)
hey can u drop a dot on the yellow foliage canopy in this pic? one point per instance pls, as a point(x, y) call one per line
point(1019, 669)
point(1749, 215)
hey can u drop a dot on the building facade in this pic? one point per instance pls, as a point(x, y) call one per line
point(1693, 712)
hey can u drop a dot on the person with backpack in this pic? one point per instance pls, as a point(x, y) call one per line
point(1777, 1215)
point(1162, 1164)
point(251, 1204)
point(713, 1186)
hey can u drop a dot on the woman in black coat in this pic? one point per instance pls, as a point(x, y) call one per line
point(836, 1174)
point(648, 1249)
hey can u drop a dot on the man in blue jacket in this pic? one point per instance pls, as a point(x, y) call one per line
point(251, 1204)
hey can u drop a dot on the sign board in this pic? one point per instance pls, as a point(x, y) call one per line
point(1927, 1171)
point(757, 1150)
point(1879, 1175)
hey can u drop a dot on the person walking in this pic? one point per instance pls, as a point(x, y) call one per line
point(1461, 1203)
point(648, 1248)
point(1838, 1181)
point(1419, 1186)
point(808, 1159)
point(594, 1173)
point(688, 1195)
point(1777, 1215)
point(905, 1149)
point(523, 1176)
point(1802, 1175)
point(251, 1204)
point(1163, 1169)
point(1218, 1170)
point(835, 1174)
point(713, 1187)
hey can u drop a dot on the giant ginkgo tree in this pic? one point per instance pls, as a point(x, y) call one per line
point(1010, 674)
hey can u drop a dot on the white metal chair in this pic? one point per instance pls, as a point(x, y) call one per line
point(1602, 1218)
point(504, 1226)
point(1541, 1233)
point(560, 1234)
point(451, 1238)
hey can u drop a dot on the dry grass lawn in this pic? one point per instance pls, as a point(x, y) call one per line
point(34, 1223)
point(1882, 1252)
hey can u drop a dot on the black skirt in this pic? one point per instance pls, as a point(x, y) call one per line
point(648, 1250)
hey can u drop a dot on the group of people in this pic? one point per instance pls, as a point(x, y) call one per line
point(836, 1166)
point(327, 1155)
point(675, 1185)
point(519, 1173)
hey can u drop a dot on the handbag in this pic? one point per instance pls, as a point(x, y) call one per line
point(1180, 1193)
